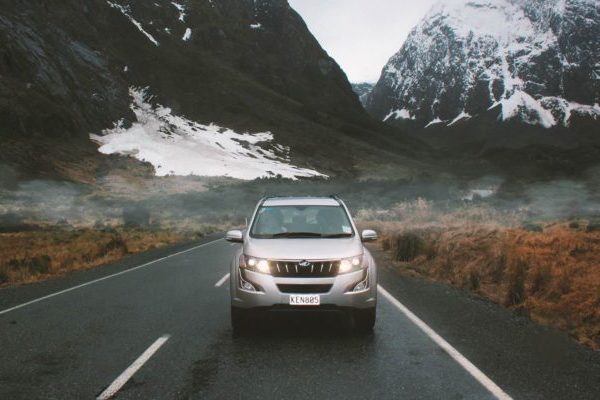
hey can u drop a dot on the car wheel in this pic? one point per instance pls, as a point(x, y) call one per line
point(364, 320)
point(239, 320)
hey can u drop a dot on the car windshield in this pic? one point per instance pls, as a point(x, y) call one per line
point(301, 222)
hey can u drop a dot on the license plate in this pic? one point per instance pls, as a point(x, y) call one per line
point(305, 300)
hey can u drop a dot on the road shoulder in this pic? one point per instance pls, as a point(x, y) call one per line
point(528, 360)
point(14, 295)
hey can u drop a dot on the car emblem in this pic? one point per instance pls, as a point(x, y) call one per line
point(304, 263)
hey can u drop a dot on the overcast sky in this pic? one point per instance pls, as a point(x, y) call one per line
point(361, 35)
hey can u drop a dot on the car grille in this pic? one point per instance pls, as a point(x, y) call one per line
point(302, 289)
point(304, 269)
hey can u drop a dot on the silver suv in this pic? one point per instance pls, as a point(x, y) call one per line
point(303, 253)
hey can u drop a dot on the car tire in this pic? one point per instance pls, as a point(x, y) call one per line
point(239, 320)
point(364, 320)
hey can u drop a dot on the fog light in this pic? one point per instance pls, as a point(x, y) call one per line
point(248, 286)
point(361, 286)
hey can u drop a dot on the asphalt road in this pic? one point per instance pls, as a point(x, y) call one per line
point(166, 326)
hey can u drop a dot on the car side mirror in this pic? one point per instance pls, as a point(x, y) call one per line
point(368, 235)
point(235, 236)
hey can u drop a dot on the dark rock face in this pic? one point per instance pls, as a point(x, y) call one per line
point(66, 67)
point(362, 90)
point(532, 61)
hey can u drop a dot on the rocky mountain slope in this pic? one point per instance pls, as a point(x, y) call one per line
point(529, 62)
point(68, 69)
point(362, 90)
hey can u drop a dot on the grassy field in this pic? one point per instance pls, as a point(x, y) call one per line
point(549, 271)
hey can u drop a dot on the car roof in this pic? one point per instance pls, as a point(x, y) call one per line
point(300, 201)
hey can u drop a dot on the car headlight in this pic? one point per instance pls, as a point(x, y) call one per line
point(351, 264)
point(255, 264)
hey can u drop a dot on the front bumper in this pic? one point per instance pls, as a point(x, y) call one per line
point(270, 295)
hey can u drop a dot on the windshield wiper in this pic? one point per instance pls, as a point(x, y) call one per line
point(337, 235)
point(297, 235)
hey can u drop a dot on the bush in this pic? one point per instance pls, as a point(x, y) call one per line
point(515, 292)
point(40, 264)
point(12, 222)
point(474, 280)
point(386, 244)
point(593, 227)
point(532, 227)
point(408, 246)
point(114, 244)
point(36, 265)
point(540, 278)
point(574, 225)
point(136, 216)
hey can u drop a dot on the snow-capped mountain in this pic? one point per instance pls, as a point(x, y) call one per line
point(533, 61)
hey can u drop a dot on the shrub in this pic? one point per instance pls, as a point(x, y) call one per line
point(515, 292)
point(540, 277)
point(474, 280)
point(12, 222)
point(408, 246)
point(40, 264)
point(116, 243)
point(3, 275)
point(136, 216)
point(532, 227)
point(593, 227)
point(574, 225)
point(386, 244)
point(37, 265)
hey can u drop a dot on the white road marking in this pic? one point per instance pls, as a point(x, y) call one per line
point(447, 347)
point(222, 280)
point(104, 278)
point(118, 383)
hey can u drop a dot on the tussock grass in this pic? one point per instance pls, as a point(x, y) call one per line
point(547, 271)
point(32, 256)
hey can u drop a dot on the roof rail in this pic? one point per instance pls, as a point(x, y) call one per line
point(262, 200)
point(335, 197)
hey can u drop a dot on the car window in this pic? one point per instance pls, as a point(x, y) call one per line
point(301, 221)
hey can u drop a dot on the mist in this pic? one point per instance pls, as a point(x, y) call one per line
point(46, 203)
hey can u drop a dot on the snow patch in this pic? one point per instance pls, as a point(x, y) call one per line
point(478, 193)
point(175, 145)
point(530, 111)
point(181, 10)
point(127, 12)
point(584, 109)
point(399, 114)
point(461, 116)
point(434, 122)
point(569, 108)
point(187, 35)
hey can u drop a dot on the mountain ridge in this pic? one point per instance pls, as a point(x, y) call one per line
point(526, 60)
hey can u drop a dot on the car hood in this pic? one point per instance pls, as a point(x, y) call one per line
point(303, 249)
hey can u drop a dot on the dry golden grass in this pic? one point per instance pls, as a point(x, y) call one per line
point(550, 272)
point(36, 255)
